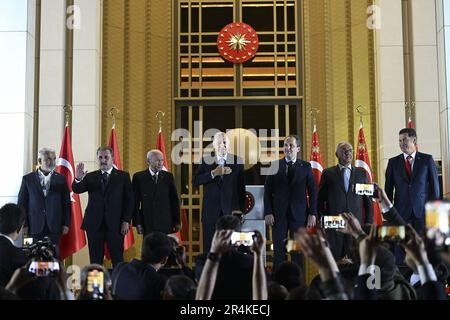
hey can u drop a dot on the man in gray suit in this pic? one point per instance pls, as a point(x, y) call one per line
point(336, 196)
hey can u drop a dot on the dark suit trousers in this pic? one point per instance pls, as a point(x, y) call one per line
point(279, 235)
point(54, 238)
point(341, 245)
point(96, 241)
point(208, 234)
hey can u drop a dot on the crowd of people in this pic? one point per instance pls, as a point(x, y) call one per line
point(354, 261)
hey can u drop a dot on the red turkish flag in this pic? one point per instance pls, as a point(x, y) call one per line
point(75, 240)
point(316, 159)
point(128, 240)
point(160, 146)
point(362, 161)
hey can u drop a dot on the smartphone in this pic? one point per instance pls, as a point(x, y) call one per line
point(333, 222)
point(292, 246)
point(365, 189)
point(26, 242)
point(95, 284)
point(437, 216)
point(242, 238)
point(437, 222)
point(43, 268)
point(391, 233)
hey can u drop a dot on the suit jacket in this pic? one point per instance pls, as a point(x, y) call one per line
point(116, 204)
point(11, 258)
point(53, 209)
point(221, 194)
point(333, 199)
point(411, 194)
point(280, 195)
point(157, 205)
point(137, 280)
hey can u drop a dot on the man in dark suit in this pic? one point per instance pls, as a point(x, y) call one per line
point(411, 180)
point(157, 203)
point(285, 198)
point(336, 196)
point(110, 206)
point(12, 219)
point(222, 176)
point(139, 279)
point(45, 197)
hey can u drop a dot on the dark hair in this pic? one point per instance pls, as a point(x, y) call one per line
point(296, 137)
point(228, 222)
point(155, 247)
point(106, 148)
point(12, 218)
point(180, 287)
point(409, 131)
point(288, 274)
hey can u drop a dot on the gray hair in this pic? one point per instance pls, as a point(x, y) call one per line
point(153, 152)
point(44, 151)
point(340, 144)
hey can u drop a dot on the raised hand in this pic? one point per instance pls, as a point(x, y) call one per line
point(80, 173)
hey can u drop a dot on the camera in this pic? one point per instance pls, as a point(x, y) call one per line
point(391, 233)
point(333, 222)
point(365, 189)
point(437, 222)
point(42, 260)
point(242, 238)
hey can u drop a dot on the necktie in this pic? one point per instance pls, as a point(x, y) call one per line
point(346, 174)
point(408, 165)
point(155, 178)
point(290, 170)
point(104, 180)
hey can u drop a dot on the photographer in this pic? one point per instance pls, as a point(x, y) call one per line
point(95, 283)
point(139, 279)
point(12, 219)
point(176, 262)
point(48, 276)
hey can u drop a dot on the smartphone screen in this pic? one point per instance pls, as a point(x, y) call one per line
point(43, 268)
point(27, 242)
point(242, 238)
point(391, 233)
point(437, 216)
point(95, 283)
point(292, 246)
point(333, 222)
point(363, 189)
